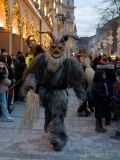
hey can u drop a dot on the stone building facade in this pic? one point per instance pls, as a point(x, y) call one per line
point(18, 20)
point(21, 18)
point(59, 14)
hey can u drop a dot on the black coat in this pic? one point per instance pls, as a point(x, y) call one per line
point(102, 102)
point(102, 99)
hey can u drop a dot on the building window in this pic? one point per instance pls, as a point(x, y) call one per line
point(68, 3)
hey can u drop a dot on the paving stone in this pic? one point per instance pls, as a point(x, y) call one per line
point(83, 142)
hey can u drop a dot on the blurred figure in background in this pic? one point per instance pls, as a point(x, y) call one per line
point(19, 69)
point(83, 109)
point(11, 76)
point(89, 75)
point(4, 84)
point(101, 97)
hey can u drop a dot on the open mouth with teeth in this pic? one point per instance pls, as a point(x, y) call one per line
point(56, 55)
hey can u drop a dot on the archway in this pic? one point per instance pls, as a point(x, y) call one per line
point(4, 14)
point(16, 22)
point(4, 24)
point(25, 25)
point(16, 28)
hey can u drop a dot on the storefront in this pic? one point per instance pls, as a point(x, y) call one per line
point(18, 20)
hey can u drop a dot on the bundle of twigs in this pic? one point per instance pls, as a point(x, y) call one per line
point(31, 110)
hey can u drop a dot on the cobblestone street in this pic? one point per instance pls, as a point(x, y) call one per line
point(83, 143)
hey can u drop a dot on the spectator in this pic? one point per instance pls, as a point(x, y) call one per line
point(4, 83)
point(102, 101)
point(11, 76)
point(19, 69)
point(3, 51)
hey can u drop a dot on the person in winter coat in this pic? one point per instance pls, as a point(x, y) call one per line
point(19, 69)
point(11, 76)
point(4, 84)
point(102, 100)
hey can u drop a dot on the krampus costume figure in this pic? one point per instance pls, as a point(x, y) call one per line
point(53, 73)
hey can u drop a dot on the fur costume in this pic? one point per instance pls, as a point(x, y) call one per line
point(53, 73)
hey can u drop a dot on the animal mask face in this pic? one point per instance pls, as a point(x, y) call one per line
point(57, 49)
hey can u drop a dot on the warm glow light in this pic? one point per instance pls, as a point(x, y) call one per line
point(14, 30)
point(39, 2)
point(4, 20)
point(25, 25)
point(61, 1)
point(34, 0)
point(16, 22)
point(54, 5)
point(1, 24)
point(24, 35)
point(46, 41)
point(31, 38)
point(51, 21)
point(45, 10)
point(56, 10)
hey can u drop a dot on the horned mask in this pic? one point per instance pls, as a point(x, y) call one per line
point(56, 54)
point(57, 46)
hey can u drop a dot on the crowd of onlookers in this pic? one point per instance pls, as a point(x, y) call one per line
point(102, 83)
point(11, 72)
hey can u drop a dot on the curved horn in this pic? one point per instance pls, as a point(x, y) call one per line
point(50, 34)
point(28, 40)
point(65, 38)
